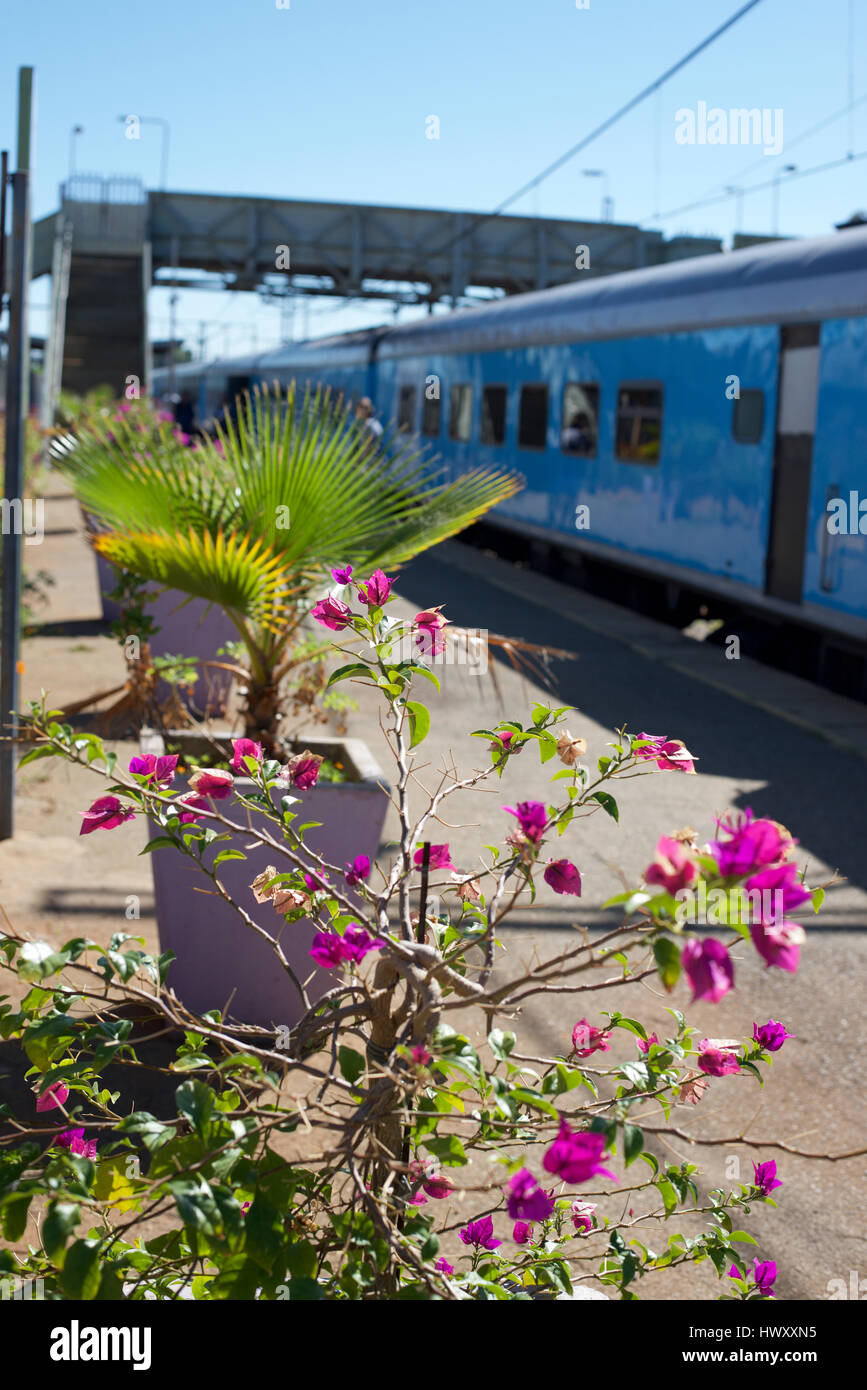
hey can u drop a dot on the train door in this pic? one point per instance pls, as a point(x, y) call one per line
point(793, 458)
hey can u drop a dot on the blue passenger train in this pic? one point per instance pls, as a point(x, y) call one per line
point(703, 422)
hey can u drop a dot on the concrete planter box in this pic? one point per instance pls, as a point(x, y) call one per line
point(221, 961)
point(194, 629)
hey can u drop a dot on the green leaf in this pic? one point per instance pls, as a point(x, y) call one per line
point(667, 958)
point(353, 668)
point(35, 753)
point(818, 898)
point(14, 1216)
point(81, 1272)
point(607, 802)
point(419, 722)
point(351, 1063)
point(196, 1101)
point(500, 1043)
point(58, 1225)
point(158, 842)
point(633, 1143)
point(447, 1148)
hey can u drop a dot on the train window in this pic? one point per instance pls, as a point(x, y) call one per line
point(431, 414)
point(580, 423)
point(748, 417)
point(533, 417)
point(639, 423)
point(406, 408)
point(461, 413)
point(494, 414)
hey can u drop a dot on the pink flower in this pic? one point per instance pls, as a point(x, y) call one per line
point(645, 1044)
point(779, 943)
point(75, 1142)
point(770, 1036)
point(303, 770)
point(502, 742)
point(526, 1199)
point(357, 871)
point(420, 1055)
point(375, 592)
point(207, 781)
point(521, 1232)
point(668, 753)
point(708, 968)
point(563, 877)
point(783, 888)
point(192, 805)
point(750, 845)
point(574, 1156)
point(436, 1185)
point(315, 883)
point(330, 950)
point(532, 818)
point(673, 867)
point(342, 575)
point(582, 1215)
point(160, 770)
point(440, 857)
point(766, 1177)
point(714, 1062)
point(763, 1276)
point(429, 635)
point(105, 813)
point(244, 748)
point(586, 1039)
point(56, 1095)
point(332, 613)
point(480, 1233)
point(443, 1267)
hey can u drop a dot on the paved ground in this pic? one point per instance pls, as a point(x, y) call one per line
point(763, 739)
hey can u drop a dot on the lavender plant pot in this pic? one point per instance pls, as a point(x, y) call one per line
point(187, 627)
point(221, 962)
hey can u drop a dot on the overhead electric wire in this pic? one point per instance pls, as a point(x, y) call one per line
point(600, 129)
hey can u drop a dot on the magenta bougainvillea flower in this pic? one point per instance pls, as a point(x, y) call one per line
point(763, 1276)
point(582, 1215)
point(708, 968)
point(443, 1267)
point(420, 1055)
point(191, 805)
point(303, 771)
point(315, 883)
point(586, 1039)
point(375, 593)
point(245, 748)
point(673, 866)
point(75, 1142)
point(480, 1233)
point(749, 844)
point(715, 1061)
point(160, 770)
point(329, 950)
point(502, 742)
point(563, 877)
point(645, 1044)
point(357, 871)
point(532, 817)
point(213, 782)
point(429, 631)
point(332, 613)
point(779, 943)
point(440, 857)
point(766, 1177)
point(574, 1155)
point(669, 754)
point(435, 1184)
point(770, 1036)
point(342, 575)
point(526, 1199)
point(783, 887)
point(521, 1232)
point(56, 1094)
point(105, 813)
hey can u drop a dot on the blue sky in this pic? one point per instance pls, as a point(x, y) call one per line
point(328, 99)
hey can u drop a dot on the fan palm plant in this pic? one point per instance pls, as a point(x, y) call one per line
point(253, 521)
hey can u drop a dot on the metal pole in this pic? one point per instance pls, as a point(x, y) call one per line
point(17, 382)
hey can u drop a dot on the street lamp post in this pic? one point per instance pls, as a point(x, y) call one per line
point(73, 135)
point(607, 213)
point(738, 195)
point(164, 152)
point(786, 169)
